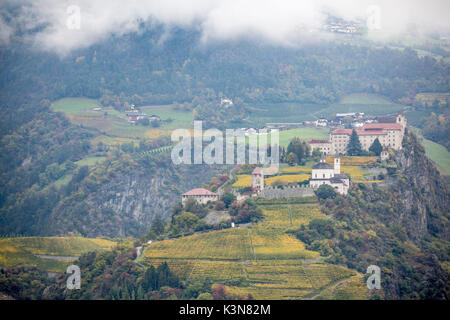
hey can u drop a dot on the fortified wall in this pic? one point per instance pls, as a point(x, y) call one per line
point(286, 192)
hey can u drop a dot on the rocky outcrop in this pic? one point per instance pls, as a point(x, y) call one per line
point(423, 194)
point(126, 204)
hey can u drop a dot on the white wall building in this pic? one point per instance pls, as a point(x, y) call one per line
point(201, 195)
point(389, 134)
point(323, 173)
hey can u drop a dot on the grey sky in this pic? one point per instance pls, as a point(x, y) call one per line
point(282, 22)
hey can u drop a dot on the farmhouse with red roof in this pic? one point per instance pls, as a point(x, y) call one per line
point(201, 195)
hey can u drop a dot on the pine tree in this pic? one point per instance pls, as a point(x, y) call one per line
point(157, 224)
point(354, 145)
point(376, 147)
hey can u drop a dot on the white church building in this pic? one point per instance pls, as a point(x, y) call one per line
point(323, 173)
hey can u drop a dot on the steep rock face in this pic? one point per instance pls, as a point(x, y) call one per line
point(422, 192)
point(126, 204)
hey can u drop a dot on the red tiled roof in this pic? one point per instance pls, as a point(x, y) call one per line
point(199, 192)
point(381, 126)
point(370, 129)
point(371, 132)
point(318, 141)
point(341, 131)
point(257, 171)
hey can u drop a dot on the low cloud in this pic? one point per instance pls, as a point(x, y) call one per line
point(283, 22)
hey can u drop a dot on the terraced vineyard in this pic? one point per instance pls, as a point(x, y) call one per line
point(262, 260)
point(141, 155)
point(48, 253)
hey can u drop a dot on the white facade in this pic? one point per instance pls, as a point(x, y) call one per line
point(322, 173)
point(390, 135)
point(258, 179)
point(200, 195)
point(324, 146)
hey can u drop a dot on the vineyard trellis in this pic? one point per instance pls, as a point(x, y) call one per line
point(142, 155)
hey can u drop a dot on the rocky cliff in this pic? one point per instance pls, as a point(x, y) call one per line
point(124, 202)
point(423, 194)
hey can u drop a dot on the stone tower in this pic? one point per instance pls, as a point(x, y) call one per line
point(257, 179)
point(401, 119)
point(337, 165)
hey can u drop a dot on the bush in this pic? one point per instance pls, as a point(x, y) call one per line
point(220, 205)
point(326, 191)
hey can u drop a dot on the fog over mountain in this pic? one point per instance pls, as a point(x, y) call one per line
point(282, 22)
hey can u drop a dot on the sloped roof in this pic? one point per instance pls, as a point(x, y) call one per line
point(341, 131)
point(199, 192)
point(381, 126)
point(322, 165)
point(257, 171)
point(313, 141)
point(371, 131)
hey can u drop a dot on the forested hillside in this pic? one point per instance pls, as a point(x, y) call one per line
point(39, 147)
point(403, 228)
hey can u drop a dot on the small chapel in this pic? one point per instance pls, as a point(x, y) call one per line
point(323, 173)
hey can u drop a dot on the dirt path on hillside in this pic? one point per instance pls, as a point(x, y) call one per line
point(331, 287)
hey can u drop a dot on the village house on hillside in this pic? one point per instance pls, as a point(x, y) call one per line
point(322, 173)
point(201, 195)
point(389, 131)
point(134, 114)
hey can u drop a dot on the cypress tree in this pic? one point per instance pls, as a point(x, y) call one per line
point(354, 145)
point(376, 147)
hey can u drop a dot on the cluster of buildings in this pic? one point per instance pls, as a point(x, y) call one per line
point(341, 27)
point(134, 114)
point(321, 173)
point(389, 131)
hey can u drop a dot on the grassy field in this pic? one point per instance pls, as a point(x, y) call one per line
point(288, 178)
point(180, 119)
point(435, 152)
point(24, 250)
point(438, 153)
point(352, 160)
point(75, 105)
point(369, 104)
point(114, 124)
point(305, 134)
point(364, 98)
point(90, 161)
point(266, 261)
point(260, 115)
point(243, 180)
point(297, 169)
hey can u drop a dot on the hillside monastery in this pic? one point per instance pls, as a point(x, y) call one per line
point(389, 131)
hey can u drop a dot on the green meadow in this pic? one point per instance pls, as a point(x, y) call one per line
point(74, 105)
point(367, 103)
point(438, 153)
point(306, 134)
